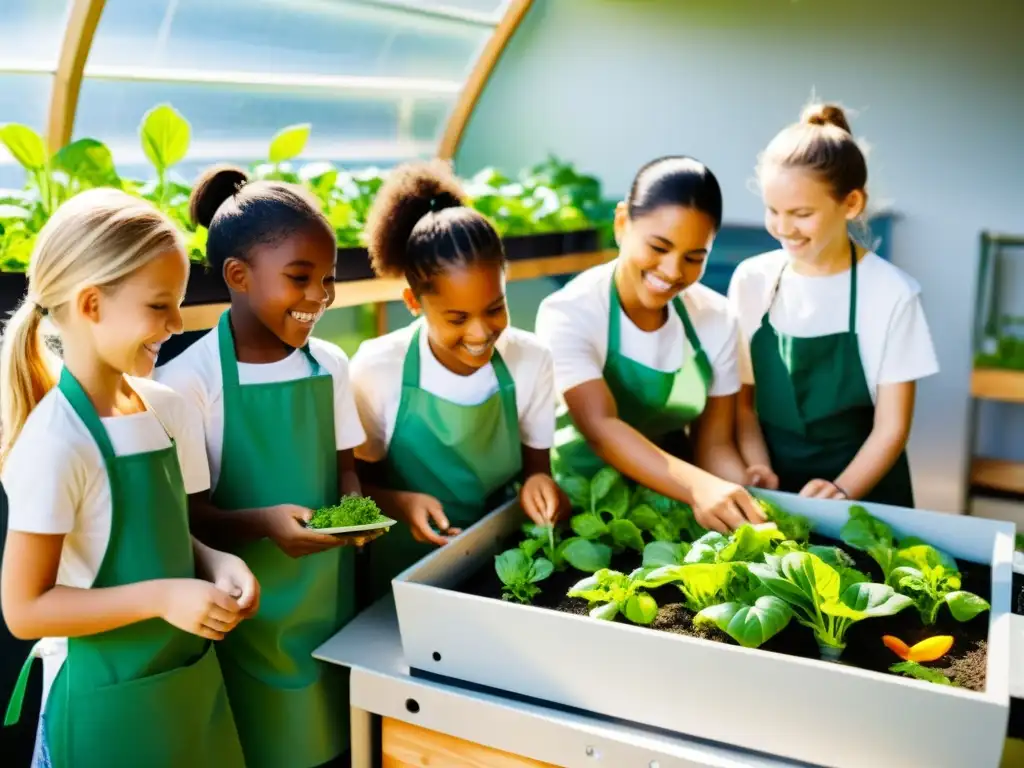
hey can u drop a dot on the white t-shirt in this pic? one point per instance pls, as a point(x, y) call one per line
point(892, 333)
point(377, 379)
point(573, 322)
point(196, 375)
point(56, 481)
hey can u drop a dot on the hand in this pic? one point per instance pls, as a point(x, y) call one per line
point(232, 576)
point(198, 607)
point(285, 524)
point(823, 489)
point(541, 499)
point(719, 505)
point(761, 476)
point(417, 510)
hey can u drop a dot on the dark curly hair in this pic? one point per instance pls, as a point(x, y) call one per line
point(240, 215)
point(419, 226)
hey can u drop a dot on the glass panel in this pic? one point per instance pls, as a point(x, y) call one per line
point(284, 36)
point(232, 124)
point(32, 31)
point(492, 8)
point(429, 119)
point(23, 99)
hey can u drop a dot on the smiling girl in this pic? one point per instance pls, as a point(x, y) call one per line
point(645, 356)
point(97, 464)
point(280, 425)
point(834, 336)
point(457, 405)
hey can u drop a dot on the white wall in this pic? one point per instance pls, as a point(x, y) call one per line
point(938, 84)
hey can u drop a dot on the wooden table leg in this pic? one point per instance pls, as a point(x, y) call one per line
point(361, 737)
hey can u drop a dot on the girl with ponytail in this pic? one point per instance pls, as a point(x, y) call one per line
point(98, 461)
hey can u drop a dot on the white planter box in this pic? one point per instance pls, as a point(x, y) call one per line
point(802, 709)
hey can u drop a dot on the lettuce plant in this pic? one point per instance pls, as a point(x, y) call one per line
point(519, 574)
point(930, 577)
point(610, 593)
point(605, 500)
point(826, 599)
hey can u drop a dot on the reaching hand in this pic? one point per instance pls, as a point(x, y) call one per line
point(417, 510)
point(541, 499)
point(719, 505)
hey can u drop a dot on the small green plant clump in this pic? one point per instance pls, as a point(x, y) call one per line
point(350, 511)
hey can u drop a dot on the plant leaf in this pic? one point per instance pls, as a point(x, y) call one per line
point(512, 565)
point(588, 525)
point(540, 570)
point(965, 605)
point(644, 518)
point(864, 600)
point(90, 161)
point(605, 612)
point(25, 145)
point(289, 142)
point(749, 625)
point(587, 556)
point(578, 490)
point(626, 534)
point(640, 608)
point(915, 670)
point(661, 553)
point(165, 135)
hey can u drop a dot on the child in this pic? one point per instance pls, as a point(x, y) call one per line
point(834, 337)
point(457, 405)
point(280, 424)
point(643, 352)
point(97, 462)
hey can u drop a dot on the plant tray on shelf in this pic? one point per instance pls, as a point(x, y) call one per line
point(781, 698)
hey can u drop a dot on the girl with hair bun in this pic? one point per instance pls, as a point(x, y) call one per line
point(97, 463)
point(834, 337)
point(645, 356)
point(280, 424)
point(457, 405)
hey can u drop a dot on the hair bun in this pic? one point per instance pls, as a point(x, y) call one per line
point(826, 114)
point(212, 188)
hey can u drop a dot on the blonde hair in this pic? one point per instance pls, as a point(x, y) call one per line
point(823, 143)
point(96, 238)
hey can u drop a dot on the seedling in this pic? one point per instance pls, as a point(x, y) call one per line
point(519, 574)
point(931, 579)
point(920, 672)
point(610, 593)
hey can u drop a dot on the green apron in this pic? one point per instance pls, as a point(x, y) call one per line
point(280, 448)
point(465, 456)
point(814, 405)
point(147, 694)
point(658, 404)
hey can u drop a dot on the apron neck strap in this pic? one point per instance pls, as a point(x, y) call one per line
point(852, 323)
point(853, 287)
point(691, 332)
point(82, 405)
point(229, 360)
point(411, 365)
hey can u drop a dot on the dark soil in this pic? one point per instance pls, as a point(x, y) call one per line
point(964, 664)
point(1017, 592)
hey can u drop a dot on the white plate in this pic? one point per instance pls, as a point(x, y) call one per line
point(357, 528)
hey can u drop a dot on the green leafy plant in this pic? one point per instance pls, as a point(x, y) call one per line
point(606, 517)
point(350, 511)
point(666, 519)
point(921, 672)
point(931, 579)
point(520, 573)
point(610, 593)
point(868, 534)
point(827, 600)
point(165, 136)
point(577, 552)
